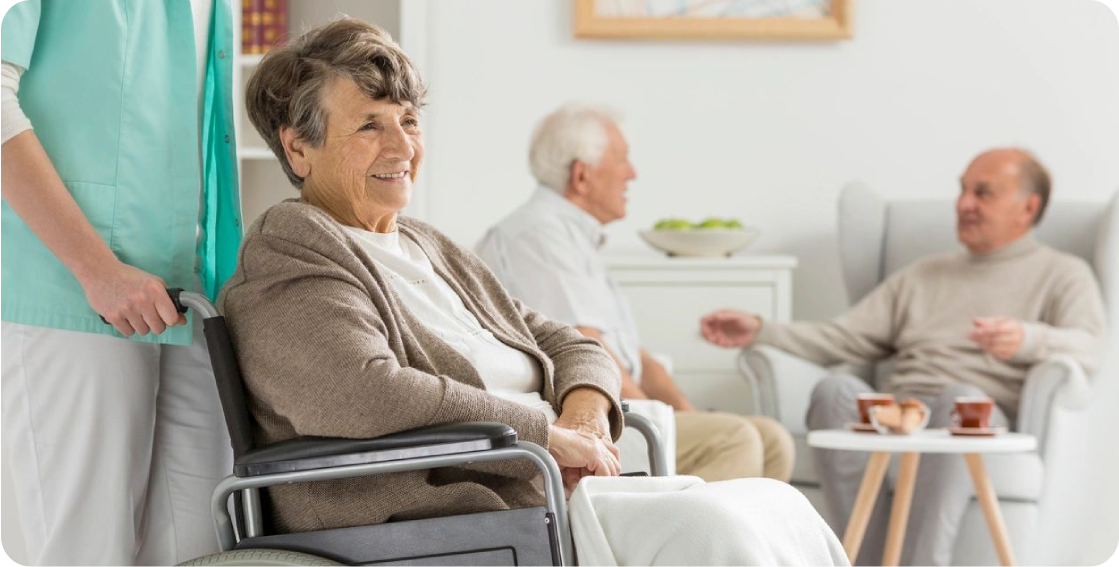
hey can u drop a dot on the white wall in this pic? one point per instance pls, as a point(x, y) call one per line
point(769, 132)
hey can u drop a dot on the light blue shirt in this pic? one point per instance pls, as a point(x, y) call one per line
point(546, 253)
point(111, 89)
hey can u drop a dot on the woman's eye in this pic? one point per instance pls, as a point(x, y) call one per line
point(411, 123)
point(369, 126)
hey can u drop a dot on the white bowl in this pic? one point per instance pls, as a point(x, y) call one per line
point(699, 242)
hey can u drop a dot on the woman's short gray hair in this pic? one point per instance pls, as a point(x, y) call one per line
point(573, 132)
point(287, 87)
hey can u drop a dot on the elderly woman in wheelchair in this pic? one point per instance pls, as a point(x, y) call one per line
point(352, 322)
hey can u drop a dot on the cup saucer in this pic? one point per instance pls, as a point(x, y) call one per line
point(977, 431)
point(861, 427)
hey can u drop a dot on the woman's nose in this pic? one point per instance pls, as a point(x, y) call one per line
point(398, 145)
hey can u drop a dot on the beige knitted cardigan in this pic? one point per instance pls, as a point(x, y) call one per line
point(326, 348)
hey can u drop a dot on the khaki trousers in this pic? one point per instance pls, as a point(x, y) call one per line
point(721, 446)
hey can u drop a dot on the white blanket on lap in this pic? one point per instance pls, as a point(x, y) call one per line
point(682, 520)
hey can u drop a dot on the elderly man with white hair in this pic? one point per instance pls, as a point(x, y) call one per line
point(546, 253)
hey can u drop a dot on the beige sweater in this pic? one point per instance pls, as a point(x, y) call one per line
point(923, 314)
point(327, 349)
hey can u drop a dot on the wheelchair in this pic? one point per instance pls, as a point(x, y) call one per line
point(526, 536)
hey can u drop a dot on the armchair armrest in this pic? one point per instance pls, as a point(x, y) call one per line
point(1056, 383)
point(782, 384)
point(309, 453)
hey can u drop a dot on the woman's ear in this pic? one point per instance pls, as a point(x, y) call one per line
point(295, 148)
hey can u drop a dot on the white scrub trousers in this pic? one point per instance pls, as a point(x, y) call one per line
point(114, 446)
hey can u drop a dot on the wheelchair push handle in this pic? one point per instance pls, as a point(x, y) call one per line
point(185, 300)
point(175, 293)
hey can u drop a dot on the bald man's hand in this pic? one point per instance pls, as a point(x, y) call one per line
point(999, 336)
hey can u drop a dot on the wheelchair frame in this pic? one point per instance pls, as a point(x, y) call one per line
point(317, 459)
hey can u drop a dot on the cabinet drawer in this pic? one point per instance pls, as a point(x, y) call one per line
point(668, 319)
point(717, 391)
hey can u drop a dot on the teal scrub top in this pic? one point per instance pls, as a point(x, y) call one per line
point(111, 91)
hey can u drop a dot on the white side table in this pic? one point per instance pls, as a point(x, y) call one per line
point(911, 447)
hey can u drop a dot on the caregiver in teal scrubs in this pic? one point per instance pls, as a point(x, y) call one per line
point(119, 178)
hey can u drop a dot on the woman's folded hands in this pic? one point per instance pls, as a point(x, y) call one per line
point(579, 454)
point(579, 440)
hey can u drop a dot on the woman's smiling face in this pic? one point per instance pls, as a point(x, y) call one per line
point(363, 171)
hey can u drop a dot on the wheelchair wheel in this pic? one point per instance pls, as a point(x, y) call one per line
point(260, 557)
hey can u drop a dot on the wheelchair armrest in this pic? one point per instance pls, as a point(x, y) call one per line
point(655, 441)
point(782, 384)
point(309, 453)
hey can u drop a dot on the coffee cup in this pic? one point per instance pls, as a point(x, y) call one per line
point(973, 411)
point(866, 401)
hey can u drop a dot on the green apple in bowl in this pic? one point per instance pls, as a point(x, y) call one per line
point(720, 224)
point(672, 224)
point(712, 237)
point(711, 223)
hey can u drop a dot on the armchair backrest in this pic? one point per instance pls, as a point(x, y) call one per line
point(879, 237)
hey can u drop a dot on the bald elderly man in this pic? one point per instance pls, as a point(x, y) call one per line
point(958, 324)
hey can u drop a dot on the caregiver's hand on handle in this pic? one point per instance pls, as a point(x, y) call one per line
point(131, 299)
point(730, 329)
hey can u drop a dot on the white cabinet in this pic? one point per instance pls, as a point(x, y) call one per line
point(669, 295)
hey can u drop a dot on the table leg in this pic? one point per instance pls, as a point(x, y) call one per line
point(864, 503)
point(989, 501)
point(899, 515)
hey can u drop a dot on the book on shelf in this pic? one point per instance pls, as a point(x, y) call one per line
point(264, 25)
point(251, 11)
point(274, 24)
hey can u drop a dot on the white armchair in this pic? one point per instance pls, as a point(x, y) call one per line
point(1041, 492)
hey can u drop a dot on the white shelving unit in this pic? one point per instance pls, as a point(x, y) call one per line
point(256, 154)
point(262, 179)
point(249, 60)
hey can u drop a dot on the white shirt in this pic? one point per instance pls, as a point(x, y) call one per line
point(201, 11)
point(545, 253)
point(12, 119)
point(506, 371)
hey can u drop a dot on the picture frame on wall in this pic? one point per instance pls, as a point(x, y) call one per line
point(820, 20)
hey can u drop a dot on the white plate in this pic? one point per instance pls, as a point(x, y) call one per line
point(860, 427)
point(977, 431)
point(699, 242)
